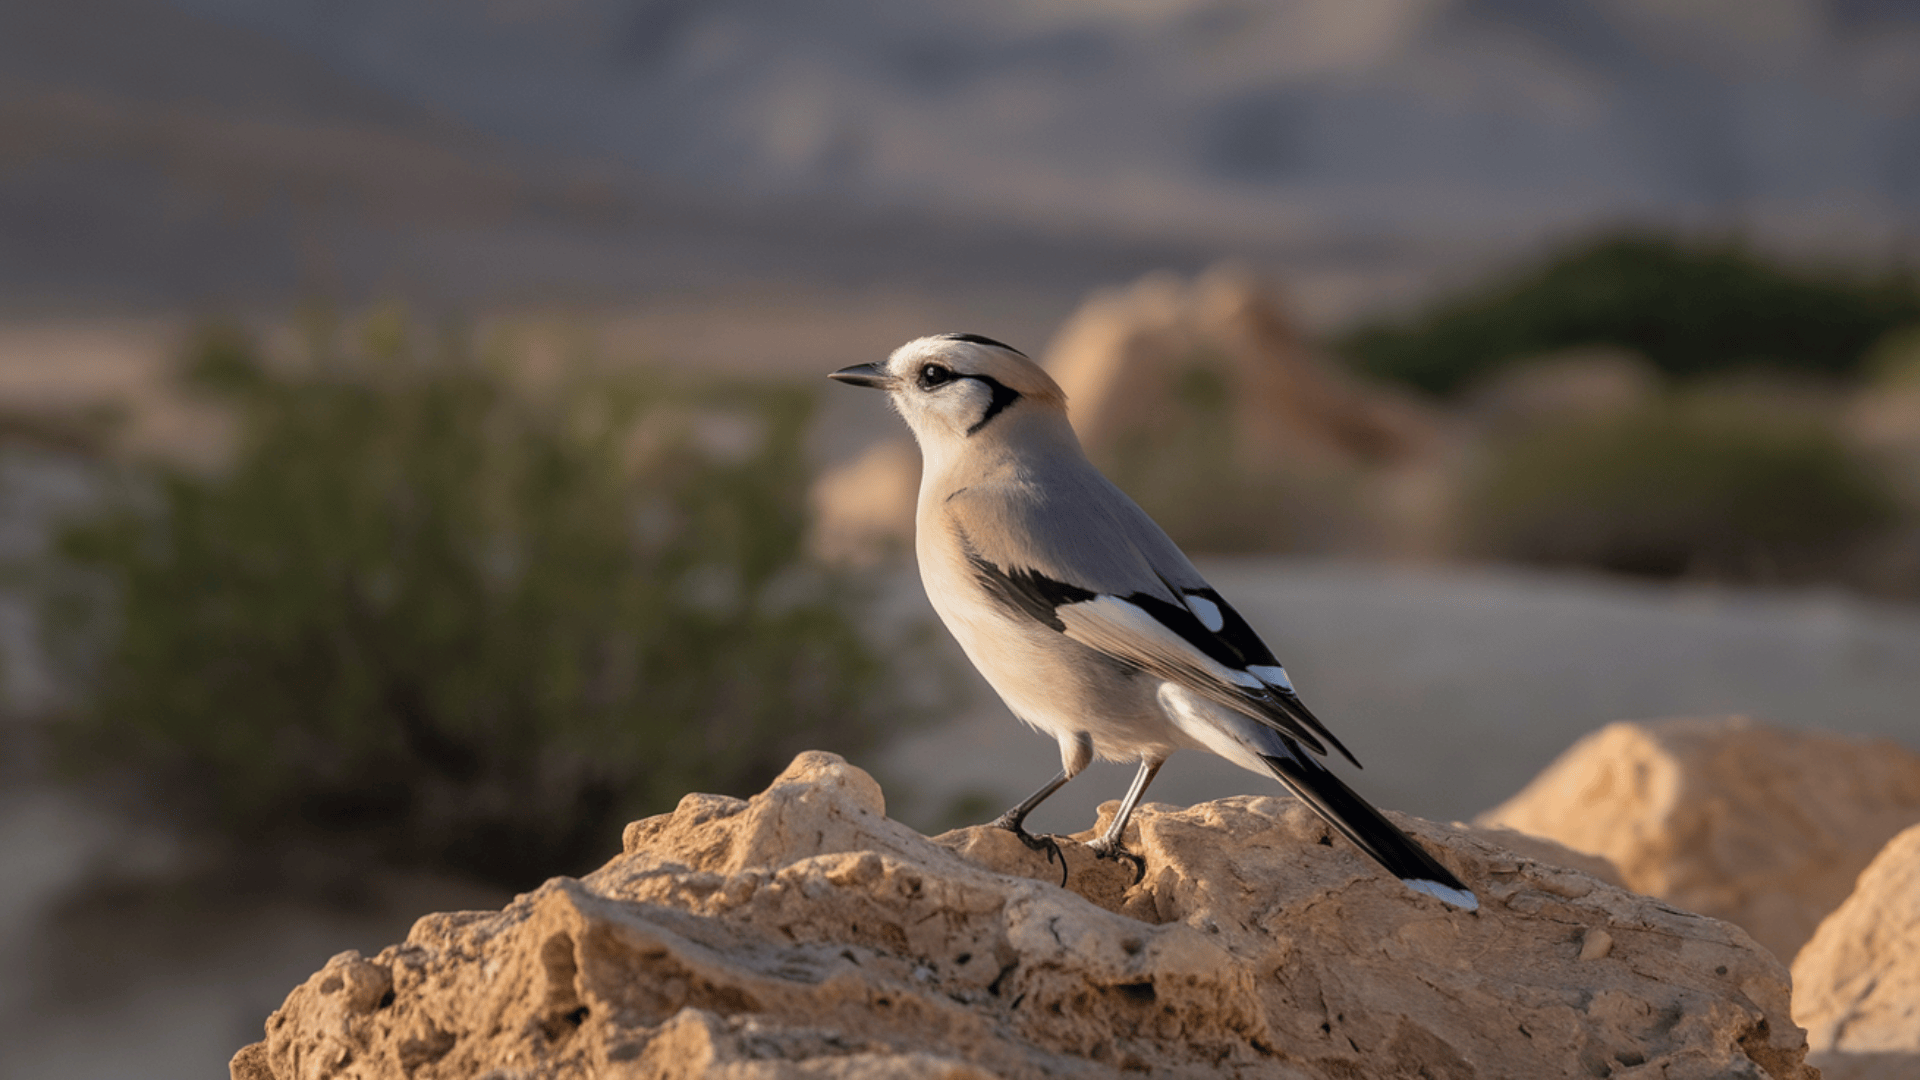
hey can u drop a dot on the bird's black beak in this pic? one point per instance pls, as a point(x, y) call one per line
point(868, 375)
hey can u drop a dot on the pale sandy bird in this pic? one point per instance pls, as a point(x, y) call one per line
point(1083, 615)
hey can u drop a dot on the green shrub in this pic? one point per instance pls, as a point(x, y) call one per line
point(432, 612)
point(1693, 487)
point(1690, 310)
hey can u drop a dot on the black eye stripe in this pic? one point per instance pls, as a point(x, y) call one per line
point(934, 376)
point(1003, 396)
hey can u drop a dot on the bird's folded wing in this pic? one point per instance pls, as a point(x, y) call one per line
point(1150, 634)
point(1084, 560)
point(1211, 650)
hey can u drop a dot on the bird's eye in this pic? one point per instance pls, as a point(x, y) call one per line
point(935, 374)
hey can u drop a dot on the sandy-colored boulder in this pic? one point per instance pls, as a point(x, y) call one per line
point(1552, 852)
point(803, 934)
point(1124, 356)
point(1761, 826)
point(1201, 400)
point(1857, 983)
point(863, 510)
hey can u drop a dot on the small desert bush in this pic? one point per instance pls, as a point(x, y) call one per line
point(429, 612)
point(1692, 486)
point(1690, 309)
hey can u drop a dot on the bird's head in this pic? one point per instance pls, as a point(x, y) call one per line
point(954, 387)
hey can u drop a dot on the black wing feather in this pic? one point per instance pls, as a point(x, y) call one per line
point(1033, 594)
point(1234, 646)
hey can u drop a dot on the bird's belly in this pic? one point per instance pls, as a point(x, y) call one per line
point(1063, 688)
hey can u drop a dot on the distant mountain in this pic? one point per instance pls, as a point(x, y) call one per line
point(148, 154)
point(1321, 120)
point(156, 155)
point(169, 151)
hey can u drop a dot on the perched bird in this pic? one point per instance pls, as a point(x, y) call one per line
point(1084, 616)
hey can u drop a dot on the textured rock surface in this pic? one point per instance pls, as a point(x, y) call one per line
point(1857, 983)
point(1760, 826)
point(802, 933)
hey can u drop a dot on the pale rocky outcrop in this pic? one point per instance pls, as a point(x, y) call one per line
point(1122, 357)
point(1201, 399)
point(1857, 983)
point(863, 510)
point(1761, 826)
point(803, 934)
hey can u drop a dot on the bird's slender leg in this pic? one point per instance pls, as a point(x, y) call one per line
point(1107, 845)
point(1076, 750)
point(1015, 819)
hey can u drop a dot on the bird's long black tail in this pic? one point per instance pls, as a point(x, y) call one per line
point(1369, 830)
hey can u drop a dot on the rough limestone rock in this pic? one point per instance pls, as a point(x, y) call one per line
point(803, 934)
point(1857, 983)
point(1122, 357)
point(1761, 826)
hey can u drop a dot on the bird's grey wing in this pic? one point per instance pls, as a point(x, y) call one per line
point(1091, 565)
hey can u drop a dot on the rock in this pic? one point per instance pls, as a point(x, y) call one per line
point(1760, 826)
point(1123, 356)
point(803, 934)
point(1202, 401)
point(863, 510)
point(1552, 852)
point(250, 1063)
point(1857, 983)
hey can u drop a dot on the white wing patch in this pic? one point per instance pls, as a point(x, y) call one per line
point(1272, 675)
point(1128, 632)
point(1119, 628)
point(1206, 611)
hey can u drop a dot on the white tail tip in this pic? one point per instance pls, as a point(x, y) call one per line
point(1459, 898)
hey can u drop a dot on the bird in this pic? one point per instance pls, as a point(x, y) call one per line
point(1084, 616)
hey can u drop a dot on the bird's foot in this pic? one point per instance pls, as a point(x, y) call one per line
point(1111, 849)
point(1043, 843)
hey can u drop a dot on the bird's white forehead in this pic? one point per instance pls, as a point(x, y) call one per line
point(960, 355)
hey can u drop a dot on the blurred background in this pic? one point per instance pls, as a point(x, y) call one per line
point(415, 461)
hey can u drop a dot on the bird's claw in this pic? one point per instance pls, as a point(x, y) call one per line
point(1042, 843)
point(1111, 849)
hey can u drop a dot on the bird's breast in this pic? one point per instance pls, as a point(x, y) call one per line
point(1047, 679)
